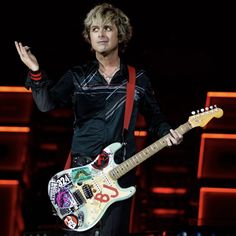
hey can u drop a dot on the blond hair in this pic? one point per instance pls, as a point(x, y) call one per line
point(109, 14)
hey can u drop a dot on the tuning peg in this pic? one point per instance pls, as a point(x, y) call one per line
point(193, 112)
point(211, 107)
point(202, 110)
point(207, 108)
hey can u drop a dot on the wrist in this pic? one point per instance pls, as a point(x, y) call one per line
point(35, 75)
point(35, 71)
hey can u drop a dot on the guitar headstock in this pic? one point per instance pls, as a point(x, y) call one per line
point(203, 116)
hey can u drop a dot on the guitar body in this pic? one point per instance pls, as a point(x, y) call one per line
point(81, 195)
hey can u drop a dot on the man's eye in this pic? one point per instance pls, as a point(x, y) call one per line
point(94, 29)
point(108, 28)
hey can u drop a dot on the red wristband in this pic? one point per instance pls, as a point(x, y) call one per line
point(35, 76)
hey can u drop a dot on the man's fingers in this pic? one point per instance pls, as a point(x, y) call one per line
point(17, 47)
point(174, 138)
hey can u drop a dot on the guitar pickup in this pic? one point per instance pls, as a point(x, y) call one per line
point(87, 191)
point(78, 197)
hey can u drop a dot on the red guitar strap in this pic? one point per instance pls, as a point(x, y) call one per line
point(128, 108)
point(129, 100)
point(68, 162)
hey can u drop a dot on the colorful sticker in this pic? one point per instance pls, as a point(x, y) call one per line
point(81, 174)
point(53, 189)
point(71, 221)
point(64, 199)
point(63, 180)
point(102, 161)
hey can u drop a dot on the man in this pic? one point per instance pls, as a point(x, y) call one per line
point(98, 91)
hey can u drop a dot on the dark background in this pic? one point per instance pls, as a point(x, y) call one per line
point(182, 45)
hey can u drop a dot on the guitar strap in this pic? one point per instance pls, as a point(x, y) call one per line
point(129, 100)
point(128, 108)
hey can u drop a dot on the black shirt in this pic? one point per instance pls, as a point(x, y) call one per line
point(99, 107)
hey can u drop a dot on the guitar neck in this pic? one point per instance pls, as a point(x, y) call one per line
point(143, 155)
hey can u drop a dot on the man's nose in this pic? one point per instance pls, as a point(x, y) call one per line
point(101, 32)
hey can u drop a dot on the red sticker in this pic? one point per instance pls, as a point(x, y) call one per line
point(71, 221)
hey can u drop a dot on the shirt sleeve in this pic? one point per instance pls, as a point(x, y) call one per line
point(47, 93)
point(156, 121)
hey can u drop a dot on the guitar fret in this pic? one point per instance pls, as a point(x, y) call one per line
point(124, 167)
point(140, 155)
point(132, 161)
point(155, 145)
point(113, 172)
point(149, 148)
point(137, 159)
point(163, 142)
point(118, 171)
point(146, 152)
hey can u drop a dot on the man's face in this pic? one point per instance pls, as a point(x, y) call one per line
point(103, 37)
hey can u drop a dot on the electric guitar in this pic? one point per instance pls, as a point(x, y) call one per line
point(81, 195)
